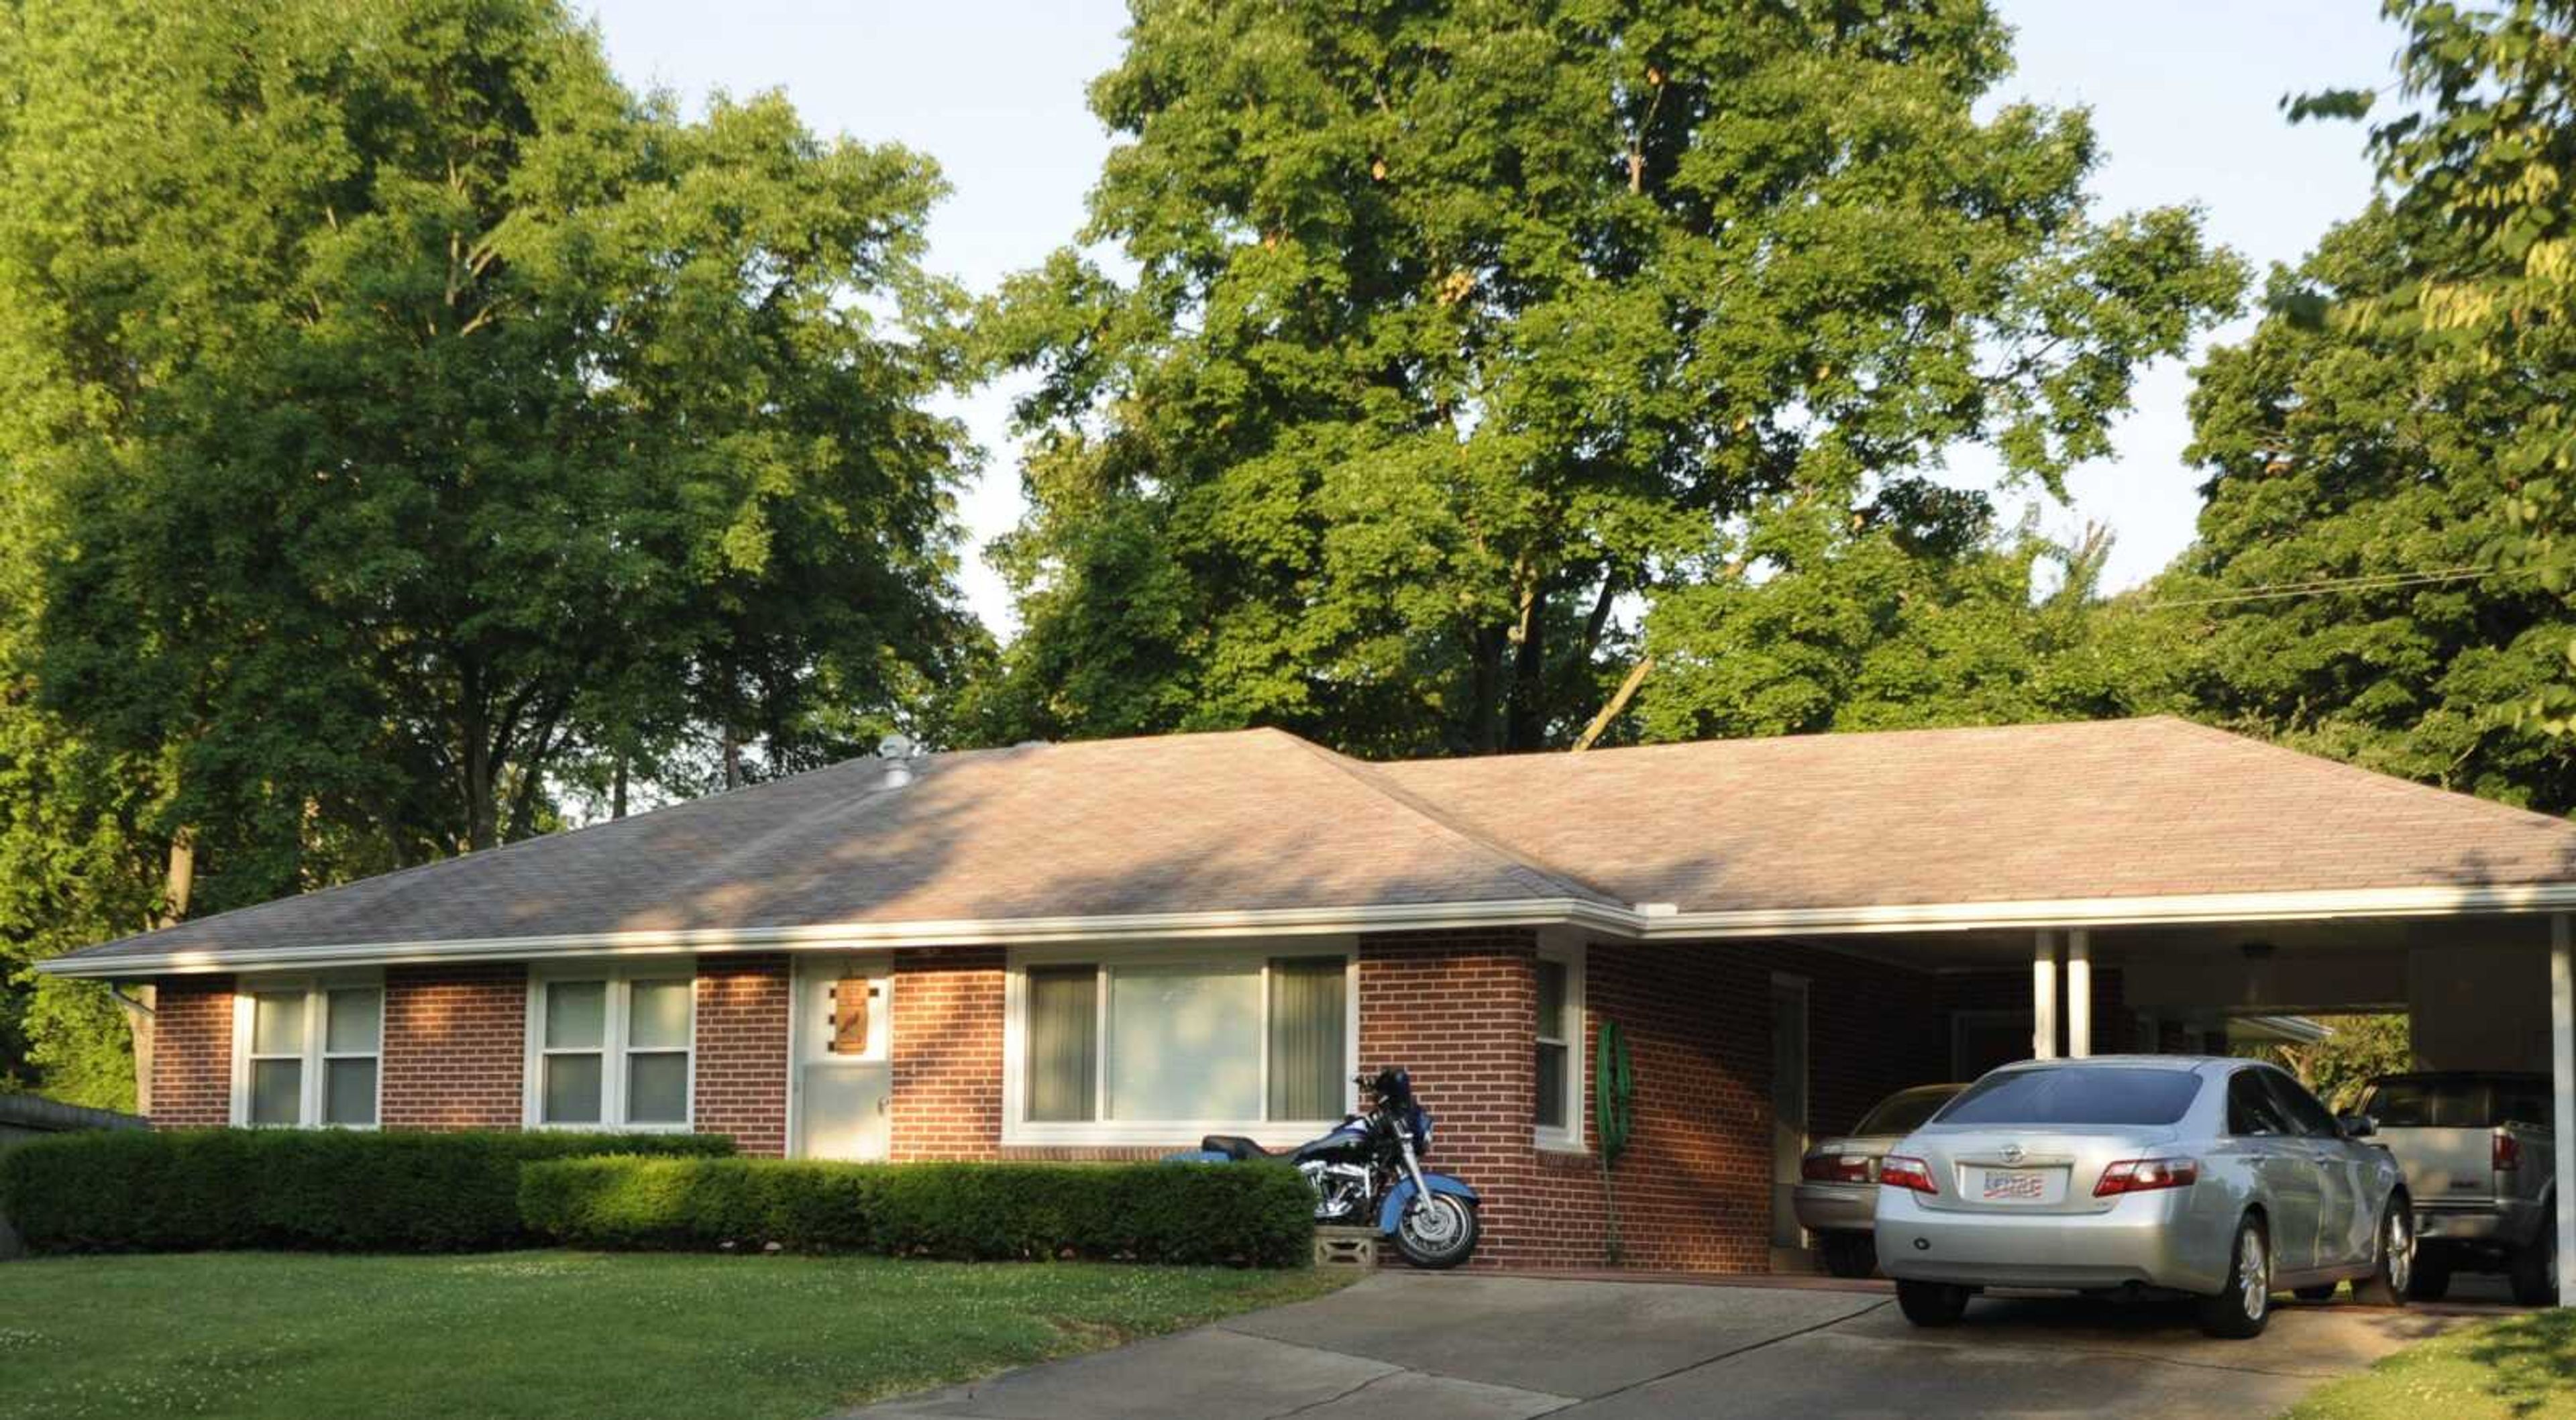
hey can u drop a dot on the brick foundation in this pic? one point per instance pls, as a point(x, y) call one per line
point(455, 1046)
point(744, 1004)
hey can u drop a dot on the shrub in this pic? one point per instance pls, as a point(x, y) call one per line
point(332, 1190)
point(1178, 1213)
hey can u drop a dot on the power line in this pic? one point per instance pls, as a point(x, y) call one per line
point(2373, 582)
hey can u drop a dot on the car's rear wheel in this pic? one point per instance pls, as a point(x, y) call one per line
point(1849, 1254)
point(2533, 1269)
point(1931, 1303)
point(2244, 1306)
point(2392, 1277)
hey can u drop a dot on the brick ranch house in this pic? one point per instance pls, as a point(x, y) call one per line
point(1104, 950)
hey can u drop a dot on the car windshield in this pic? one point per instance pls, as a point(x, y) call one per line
point(2089, 1094)
point(1901, 1113)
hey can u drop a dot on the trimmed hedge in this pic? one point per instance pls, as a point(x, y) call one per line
point(332, 1190)
point(1249, 1215)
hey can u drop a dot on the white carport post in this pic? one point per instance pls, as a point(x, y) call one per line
point(2079, 993)
point(2043, 997)
point(2562, 1073)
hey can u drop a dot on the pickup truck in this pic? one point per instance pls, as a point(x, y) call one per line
point(2478, 1158)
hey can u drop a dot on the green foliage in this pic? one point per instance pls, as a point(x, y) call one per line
point(1896, 623)
point(2361, 1049)
point(327, 1189)
point(2475, 154)
point(2339, 450)
point(1169, 1213)
point(1455, 326)
point(398, 409)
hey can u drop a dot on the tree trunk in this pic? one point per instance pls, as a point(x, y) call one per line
point(180, 878)
point(1485, 694)
point(732, 759)
point(1525, 723)
point(617, 789)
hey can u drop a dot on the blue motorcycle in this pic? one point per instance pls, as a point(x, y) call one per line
point(1370, 1166)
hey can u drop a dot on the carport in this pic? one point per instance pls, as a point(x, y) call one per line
point(2486, 976)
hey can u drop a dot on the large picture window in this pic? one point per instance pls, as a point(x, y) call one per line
point(1238, 1041)
point(611, 1049)
point(310, 1053)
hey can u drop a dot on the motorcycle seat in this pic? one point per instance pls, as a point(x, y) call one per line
point(1233, 1146)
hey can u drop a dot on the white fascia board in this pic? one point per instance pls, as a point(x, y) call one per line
point(1652, 922)
point(1528, 912)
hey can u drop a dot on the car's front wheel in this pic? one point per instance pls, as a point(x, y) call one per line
point(2244, 1306)
point(1931, 1303)
point(2392, 1281)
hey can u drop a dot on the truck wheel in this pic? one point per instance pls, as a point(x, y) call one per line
point(2244, 1306)
point(2533, 1269)
point(1849, 1254)
point(1931, 1303)
point(2432, 1275)
point(2392, 1280)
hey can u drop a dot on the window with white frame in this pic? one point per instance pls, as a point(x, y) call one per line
point(1560, 1054)
point(611, 1048)
point(309, 1053)
point(1239, 1041)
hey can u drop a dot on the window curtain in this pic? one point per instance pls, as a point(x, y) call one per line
point(1307, 1050)
point(1063, 1041)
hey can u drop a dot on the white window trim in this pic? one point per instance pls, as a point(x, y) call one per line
point(316, 988)
point(1570, 1139)
point(1018, 1131)
point(621, 978)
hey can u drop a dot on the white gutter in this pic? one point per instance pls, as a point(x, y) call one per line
point(1644, 922)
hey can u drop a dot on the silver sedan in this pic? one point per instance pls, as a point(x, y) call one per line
point(2218, 1178)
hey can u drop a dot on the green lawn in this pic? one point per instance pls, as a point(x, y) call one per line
point(556, 1334)
point(2521, 1368)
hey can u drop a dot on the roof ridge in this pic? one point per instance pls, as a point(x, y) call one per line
point(1366, 776)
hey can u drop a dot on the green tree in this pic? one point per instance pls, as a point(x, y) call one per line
point(1453, 326)
point(2338, 453)
point(400, 420)
point(2478, 149)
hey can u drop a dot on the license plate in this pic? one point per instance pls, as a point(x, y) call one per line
point(2015, 1185)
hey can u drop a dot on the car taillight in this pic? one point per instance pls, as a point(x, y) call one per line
point(2145, 1175)
point(2508, 1152)
point(1898, 1171)
point(1834, 1168)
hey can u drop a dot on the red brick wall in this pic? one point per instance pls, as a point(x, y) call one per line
point(455, 1046)
point(192, 1051)
point(947, 1053)
point(742, 1060)
point(1460, 1010)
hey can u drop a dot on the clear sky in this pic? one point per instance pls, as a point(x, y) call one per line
point(2185, 96)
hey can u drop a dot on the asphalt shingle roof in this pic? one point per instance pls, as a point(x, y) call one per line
point(1261, 820)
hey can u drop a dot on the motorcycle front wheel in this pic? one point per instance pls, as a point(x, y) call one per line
point(1438, 1231)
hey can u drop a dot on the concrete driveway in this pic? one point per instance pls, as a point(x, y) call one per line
point(1488, 1348)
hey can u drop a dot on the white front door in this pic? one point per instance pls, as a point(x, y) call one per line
point(844, 1074)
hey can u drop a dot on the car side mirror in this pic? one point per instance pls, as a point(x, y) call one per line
point(2358, 1126)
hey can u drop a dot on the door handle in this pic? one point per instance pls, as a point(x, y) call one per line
point(885, 1104)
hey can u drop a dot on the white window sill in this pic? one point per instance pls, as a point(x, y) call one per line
point(1183, 1134)
point(542, 1127)
point(1550, 1141)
